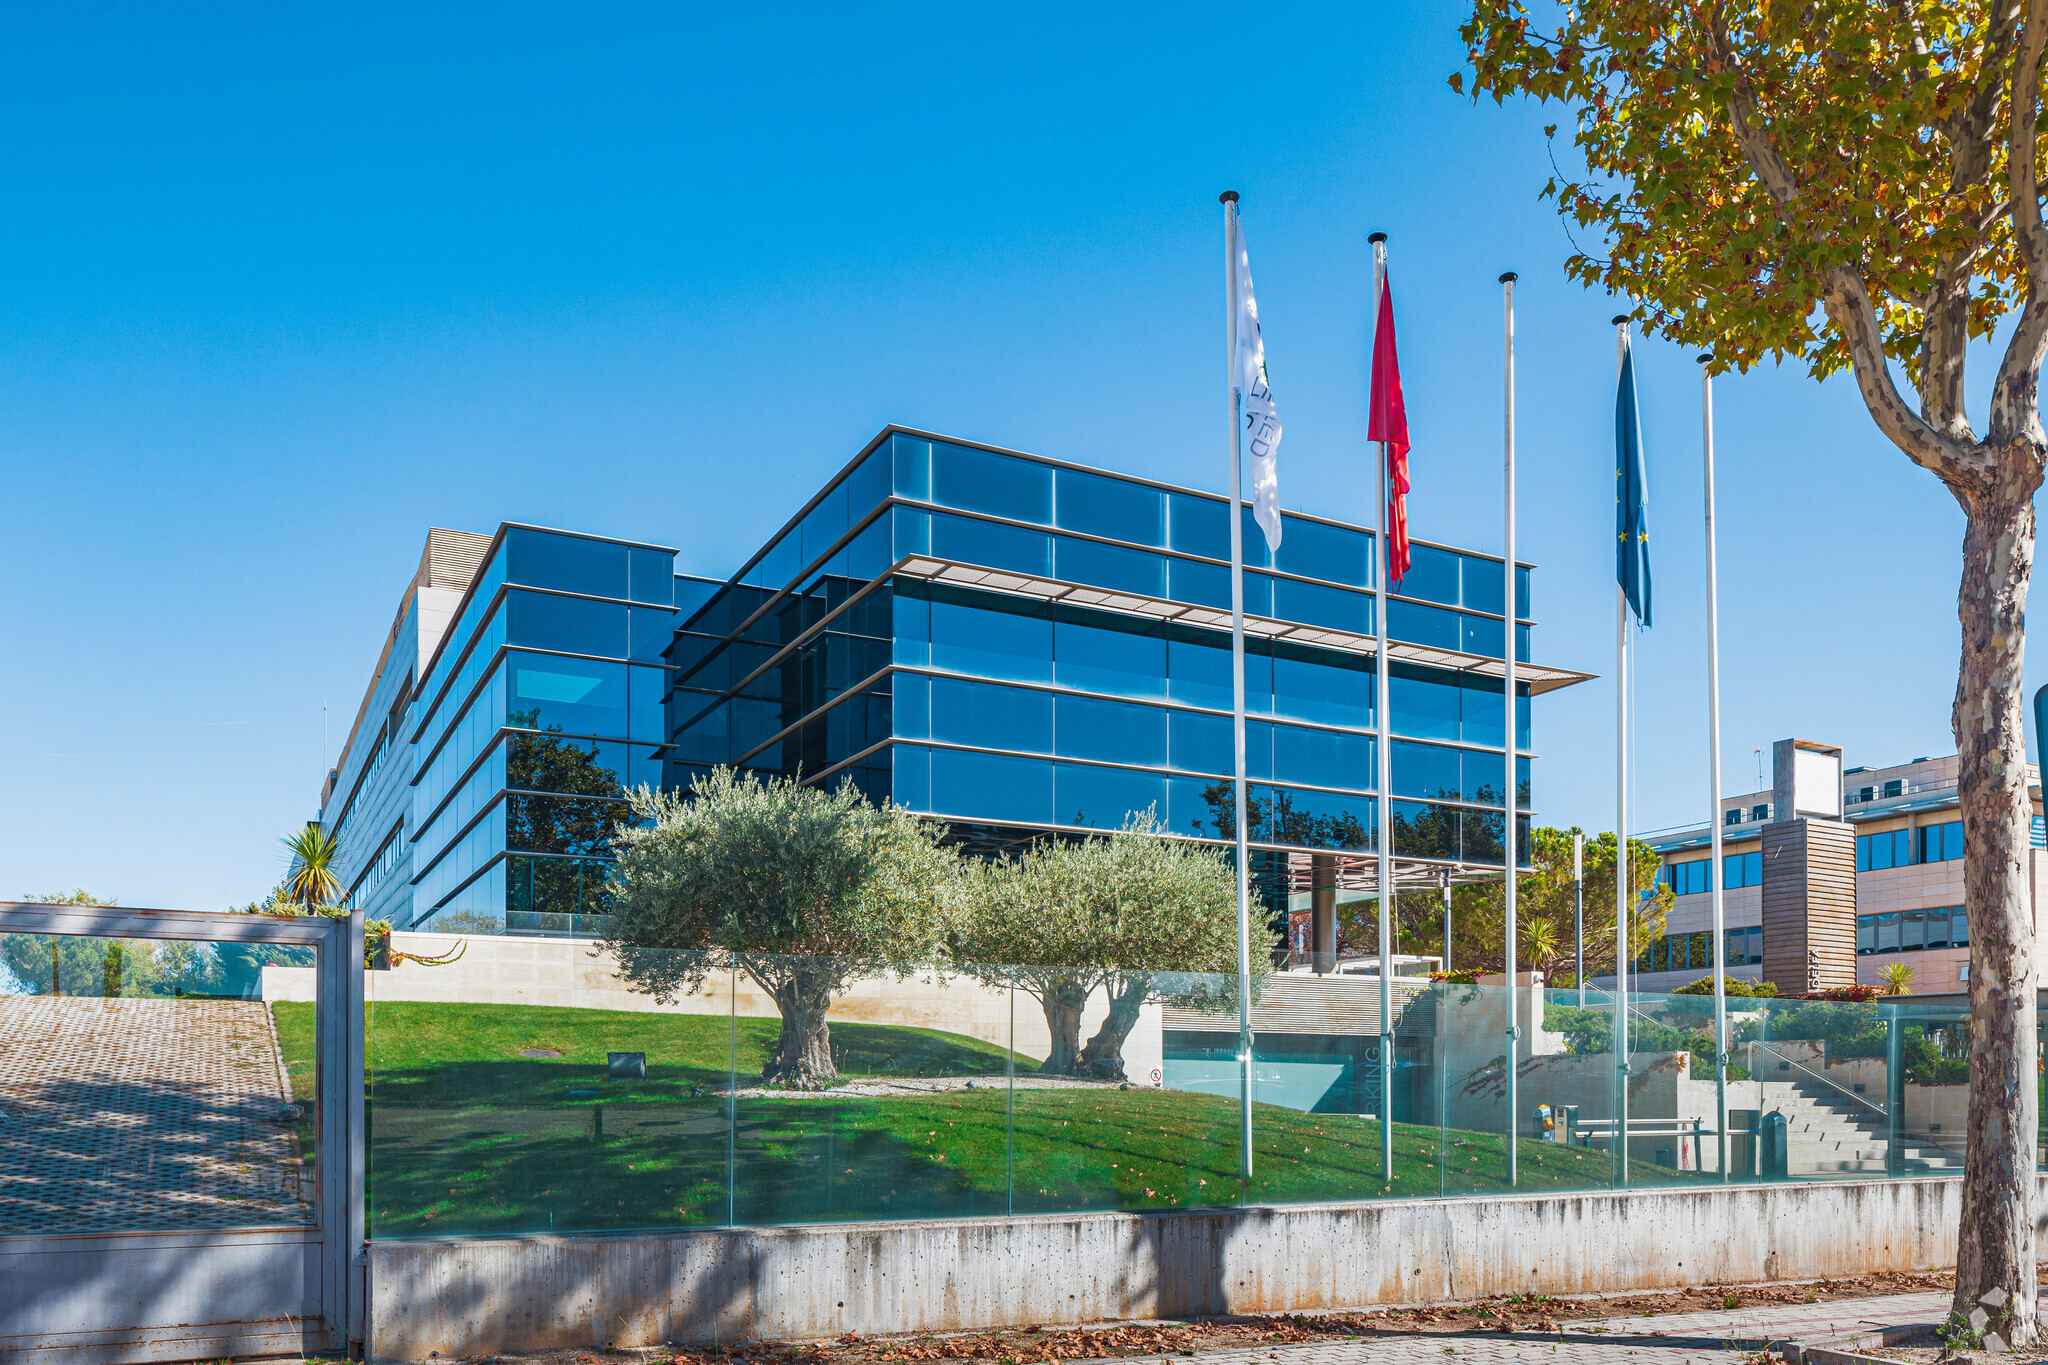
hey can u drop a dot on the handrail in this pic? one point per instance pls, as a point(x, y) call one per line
point(1863, 1100)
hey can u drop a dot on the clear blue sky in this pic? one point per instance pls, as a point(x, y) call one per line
point(285, 288)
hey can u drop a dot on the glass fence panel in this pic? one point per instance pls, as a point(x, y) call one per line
point(525, 1085)
point(1929, 1092)
point(1131, 1097)
point(1324, 1070)
point(860, 1094)
point(1819, 1075)
point(155, 1085)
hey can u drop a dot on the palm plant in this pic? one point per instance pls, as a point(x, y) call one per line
point(312, 880)
point(1898, 979)
point(1541, 943)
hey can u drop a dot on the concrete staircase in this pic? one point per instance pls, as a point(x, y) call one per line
point(1828, 1133)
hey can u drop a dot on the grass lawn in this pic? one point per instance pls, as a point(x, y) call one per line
point(470, 1137)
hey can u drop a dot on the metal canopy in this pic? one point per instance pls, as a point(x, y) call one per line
point(1540, 677)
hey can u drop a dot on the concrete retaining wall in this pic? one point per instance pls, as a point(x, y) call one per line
point(470, 1298)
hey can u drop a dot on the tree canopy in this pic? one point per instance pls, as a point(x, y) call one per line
point(806, 890)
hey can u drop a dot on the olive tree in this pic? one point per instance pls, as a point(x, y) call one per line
point(1854, 184)
point(1140, 916)
point(807, 890)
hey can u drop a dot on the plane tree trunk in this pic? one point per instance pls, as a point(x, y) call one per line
point(1996, 1247)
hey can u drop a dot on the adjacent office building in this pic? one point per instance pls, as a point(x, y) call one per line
point(1017, 645)
point(1829, 878)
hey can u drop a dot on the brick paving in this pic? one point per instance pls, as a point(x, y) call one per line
point(126, 1115)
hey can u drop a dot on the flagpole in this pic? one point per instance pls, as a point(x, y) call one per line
point(1579, 912)
point(1714, 771)
point(1383, 778)
point(1622, 890)
point(1244, 898)
point(1511, 861)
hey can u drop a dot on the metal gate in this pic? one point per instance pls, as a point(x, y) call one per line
point(181, 1162)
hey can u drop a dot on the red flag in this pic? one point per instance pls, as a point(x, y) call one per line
point(1389, 423)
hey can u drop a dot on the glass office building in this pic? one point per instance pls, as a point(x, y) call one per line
point(1022, 646)
point(536, 705)
point(1013, 644)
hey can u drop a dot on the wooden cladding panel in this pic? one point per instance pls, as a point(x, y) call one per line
point(1809, 904)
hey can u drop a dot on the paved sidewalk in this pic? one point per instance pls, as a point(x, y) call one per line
point(1666, 1339)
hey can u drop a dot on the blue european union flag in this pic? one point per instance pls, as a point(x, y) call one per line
point(1632, 496)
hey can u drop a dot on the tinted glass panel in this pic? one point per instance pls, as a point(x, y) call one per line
point(1482, 635)
point(1000, 485)
point(1111, 566)
point(1522, 593)
point(1100, 652)
point(1422, 625)
point(1314, 550)
point(570, 563)
point(1255, 550)
point(1323, 686)
point(652, 631)
point(911, 776)
point(990, 717)
point(1199, 743)
point(1104, 798)
point(1424, 705)
point(913, 531)
point(1315, 605)
point(647, 688)
point(912, 467)
point(1427, 770)
point(1198, 670)
point(993, 637)
point(1200, 526)
point(1200, 806)
point(1322, 758)
point(991, 787)
point(652, 575)
point(1115, 508)
point(1110, 731)
point(1205, 585)
point(1432, 574)
point(573, 624)
point(576, 696)
point(994, 546)
point(1309, 819)
point(867, 486)
point(1484, 590)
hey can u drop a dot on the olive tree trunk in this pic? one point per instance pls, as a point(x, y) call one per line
point(1104, 1055)
point(1995, 1248)
point(1063, 1000)
point(803, 1049)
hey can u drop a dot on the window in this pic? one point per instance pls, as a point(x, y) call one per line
point(1760, 812)
point(1116, 508)
point(574, 625)
point(1940, 843)
point(991, 544)
point(1910, 931)
point(1891, 848)
point(990, 717)
point(1432, 575)
point(1113, 566)
point(576, 696)
point(574, 564)
point(1104, 798)
point(1688, 878)
point(1000, 485)
point(1333, 553)
point(1104, 652)
point(1731, 817)
point(992, 636)
point(1112, 731)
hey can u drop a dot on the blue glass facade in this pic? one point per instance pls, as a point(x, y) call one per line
point(540, 705)
point(1018, 646)
point(1006, 642)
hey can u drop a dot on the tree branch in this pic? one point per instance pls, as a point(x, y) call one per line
point(2015, 411)
point(1847, 300)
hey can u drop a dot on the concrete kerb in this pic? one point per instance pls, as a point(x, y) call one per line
point(470, 1297)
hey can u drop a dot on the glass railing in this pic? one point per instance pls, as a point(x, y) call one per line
point(535, 1085)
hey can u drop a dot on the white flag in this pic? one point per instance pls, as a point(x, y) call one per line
point(1261, 418)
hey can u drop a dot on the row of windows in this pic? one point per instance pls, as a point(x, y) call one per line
point(1691, 878)
point(1911, 931)
point(601, 568)
point(1695, 952)
point(1119, 509)
point(988, 635)
point(1905, 847)
point(991, 716)
point(999, 788)
point(1040, 554)
point(1734, 817)
point(576, 625)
